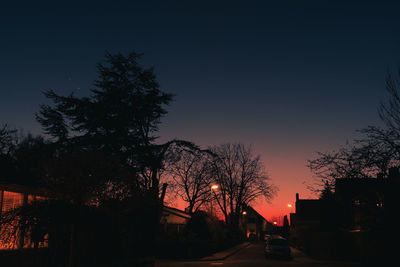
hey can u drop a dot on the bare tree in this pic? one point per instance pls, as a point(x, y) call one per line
point(191, 176)
point(8, 139)
point(375, 153)
point(389, 112)
point(347, 162)
point(241, 178)
point(366, 158)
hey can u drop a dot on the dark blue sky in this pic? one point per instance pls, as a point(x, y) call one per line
point(290, 78)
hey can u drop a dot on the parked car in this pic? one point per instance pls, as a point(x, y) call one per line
point(277, 246)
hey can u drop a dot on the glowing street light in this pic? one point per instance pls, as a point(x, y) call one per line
point(275, 223)
point(213, 187)
point(244, 212)
point(290, 206)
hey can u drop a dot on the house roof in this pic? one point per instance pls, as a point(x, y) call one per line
point(176, 212)
point(251, 209)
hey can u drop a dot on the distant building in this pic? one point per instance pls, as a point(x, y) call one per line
point(174, 220)
point(254, 224)
point(361, 211)
point(308, 213)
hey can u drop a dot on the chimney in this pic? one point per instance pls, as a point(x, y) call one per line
point(297, 197)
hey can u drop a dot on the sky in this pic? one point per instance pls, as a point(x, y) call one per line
point(289, 78)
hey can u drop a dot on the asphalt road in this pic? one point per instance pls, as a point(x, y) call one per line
point(253, 255)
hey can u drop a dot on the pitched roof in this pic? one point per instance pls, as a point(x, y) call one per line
point(177, 212)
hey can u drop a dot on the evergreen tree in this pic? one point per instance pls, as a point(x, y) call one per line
point(120, 118)
point(326, 193)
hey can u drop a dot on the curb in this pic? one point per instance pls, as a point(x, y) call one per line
point(229, 252)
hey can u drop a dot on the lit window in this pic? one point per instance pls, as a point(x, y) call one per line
point(12, 201)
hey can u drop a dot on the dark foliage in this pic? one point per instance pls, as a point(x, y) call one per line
point(203, 235)
point(198, 227)
point(327, 193)
point(7, 139)
point(100, 170)
point(103, 235)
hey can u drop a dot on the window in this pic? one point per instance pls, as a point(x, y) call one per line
point(12, 200)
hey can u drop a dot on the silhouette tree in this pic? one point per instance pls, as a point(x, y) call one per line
point(8, 142)
point(372, 155)
point(326, 193)
point(241, 178)
point(7, 139)
point(116, 126)
point(120, 118)
point(389, 111)
point(191, 176)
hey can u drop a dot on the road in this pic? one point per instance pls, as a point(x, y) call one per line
point(253, 256)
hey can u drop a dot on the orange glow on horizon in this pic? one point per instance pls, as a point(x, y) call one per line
point(287, 170)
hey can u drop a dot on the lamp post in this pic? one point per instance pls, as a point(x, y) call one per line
point(291, 207)
point(213, 188)
point(244, 223)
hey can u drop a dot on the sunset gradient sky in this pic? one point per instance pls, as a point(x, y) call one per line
point(290, 79)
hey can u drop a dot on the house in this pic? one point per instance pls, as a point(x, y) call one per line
point(308, 213)
point(174, 220)
point(357, 204)
point(13, 196)
point(356, 223)
point(254, 224)
point(366, 204)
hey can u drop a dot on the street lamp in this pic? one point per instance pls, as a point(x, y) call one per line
point(290, 206)
point(244, 223)
point(213, 187)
